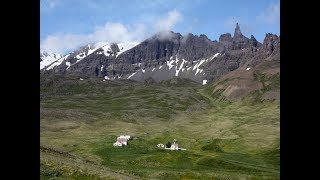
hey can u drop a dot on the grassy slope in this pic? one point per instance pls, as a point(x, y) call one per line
point(224, 139)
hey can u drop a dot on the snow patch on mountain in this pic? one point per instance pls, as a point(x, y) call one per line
point(68, 64)
point(126, 46)
point(52, 60)
point(48, 58)
point(170, 64)
point(197, 65)
point(181, 67)
point(177, 72)
point(204, 82)
point(57, 62)
point(106, 49)
point(131, 75)
point(90, 49)
point(216, 55)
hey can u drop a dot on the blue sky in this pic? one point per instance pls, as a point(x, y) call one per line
point(68, 24)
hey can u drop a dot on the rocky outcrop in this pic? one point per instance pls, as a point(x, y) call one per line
point(239, 41)
point(194, 47)
point(226, 40)
point(114, 48)
point(153, 51)
point(253, 42)
point(237, 32)
point(271, 45)
point(269, 50)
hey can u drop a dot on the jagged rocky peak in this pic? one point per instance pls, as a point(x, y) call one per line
point(203, 36)
point(225, 38)
point(253, 42)
point(271, 43)
point(194, 47)
point(237, 31)
point(270, 36)
point(239, 41)
point(192, 38)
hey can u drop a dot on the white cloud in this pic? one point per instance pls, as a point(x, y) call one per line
point(270, 15)
point(61, 42)
point(167, 23)
point(165, 35)
point(110, 32)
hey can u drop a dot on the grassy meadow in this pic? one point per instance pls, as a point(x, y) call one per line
point(225, 139)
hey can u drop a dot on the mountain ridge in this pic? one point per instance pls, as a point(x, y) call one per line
point(168, 54)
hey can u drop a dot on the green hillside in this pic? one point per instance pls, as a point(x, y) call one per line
point(225, 138)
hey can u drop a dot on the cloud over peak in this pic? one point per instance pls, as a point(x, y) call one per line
point(110, 32)
point(173, 17)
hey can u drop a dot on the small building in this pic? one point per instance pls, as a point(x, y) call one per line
point(174, 145)
point(122, 140)
point(160, 146)
point(125, 136)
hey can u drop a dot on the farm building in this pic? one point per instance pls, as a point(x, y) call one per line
point(122, 140)
point(160, 146)
point(174, 146)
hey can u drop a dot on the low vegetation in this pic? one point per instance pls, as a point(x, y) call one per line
point(224, 139)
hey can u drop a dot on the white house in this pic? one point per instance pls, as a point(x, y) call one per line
point(122, 140)
point(125, 136)
point(160, 145)
point(174, 145)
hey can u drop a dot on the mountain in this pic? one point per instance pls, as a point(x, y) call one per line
point(48, 58)
point(168, 54)
point(84, 51)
